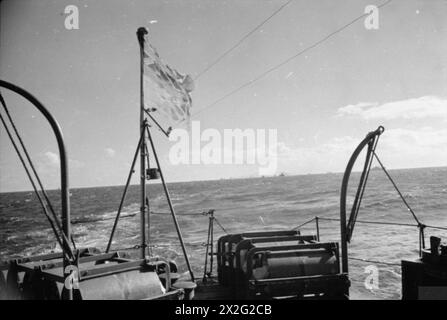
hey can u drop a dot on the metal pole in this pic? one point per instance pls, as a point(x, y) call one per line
point(140, 35)
point(205, 271)
point(131, 171)
point(212, 241)
point(421, 239)
point(343, 196)
point(318, 228)
point(148, 209)
point(171, 207)
point(65, 191)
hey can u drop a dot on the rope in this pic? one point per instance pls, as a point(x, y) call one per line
point(362, 185)
point(301, 52)
point(181, 214)
point(22, 144)
point(397, 189)
point(305, 223)
point(218, 223)
point(375, 261)
point(191, 214)
point(377, 222)
point(434, 227)
point(53, 227)
point(240, 41)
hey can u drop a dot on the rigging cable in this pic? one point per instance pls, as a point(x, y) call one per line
point(397, 189)
point(22, 144)
point(262, 75)
point(218, 223)
point(240, 41)
point(53, 227)
point(376, 262)
point(372, 145)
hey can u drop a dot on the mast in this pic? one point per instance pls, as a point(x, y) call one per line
point(144, 154)
point(143, 209)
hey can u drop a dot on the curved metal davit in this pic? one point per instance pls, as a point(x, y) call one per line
point(65, 191)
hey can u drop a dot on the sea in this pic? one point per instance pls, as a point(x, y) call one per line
point(242, 205)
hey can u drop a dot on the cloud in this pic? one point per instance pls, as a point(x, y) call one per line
point(397, 148)
point(409, 148)
point(52, 158)
point(417, 108)
point(110, 152)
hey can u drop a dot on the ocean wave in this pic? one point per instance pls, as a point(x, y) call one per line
point(103, 217)
point(240, 205)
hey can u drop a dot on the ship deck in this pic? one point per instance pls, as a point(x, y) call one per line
point(210, 289)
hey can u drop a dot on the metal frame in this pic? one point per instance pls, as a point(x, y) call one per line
point(336, 285)
point(243, 286)
point(224, 249)
point(65, 190)
point(328, 286)
point(144, 207)
point(303, 248)
point(344, 191)
point(248, 244)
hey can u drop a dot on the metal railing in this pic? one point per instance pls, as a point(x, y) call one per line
point(419, 225)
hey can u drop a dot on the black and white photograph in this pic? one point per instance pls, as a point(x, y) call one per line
point(249, 152)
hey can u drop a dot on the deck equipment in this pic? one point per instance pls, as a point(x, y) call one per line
point(280, 264)
point(425, 278)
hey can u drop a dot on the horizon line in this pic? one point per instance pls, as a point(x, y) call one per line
point(219, 179)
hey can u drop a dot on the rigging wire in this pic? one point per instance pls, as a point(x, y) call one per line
point(44, 208)
point(397, 189)
point(377, 222)
point(301, 52)
point(237, 44)
point(42, 189)
point(400, 224)
point(376, 262)
point(372, 145)
point(218, 223)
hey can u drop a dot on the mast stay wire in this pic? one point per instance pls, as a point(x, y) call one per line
point(237, 44)
point(299, 53)
point(62, 242)
point(28, 157)
point(397, 190)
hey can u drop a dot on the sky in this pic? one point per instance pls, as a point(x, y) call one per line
point(322, 103)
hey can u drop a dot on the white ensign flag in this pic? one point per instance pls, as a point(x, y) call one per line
point(165, 89)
